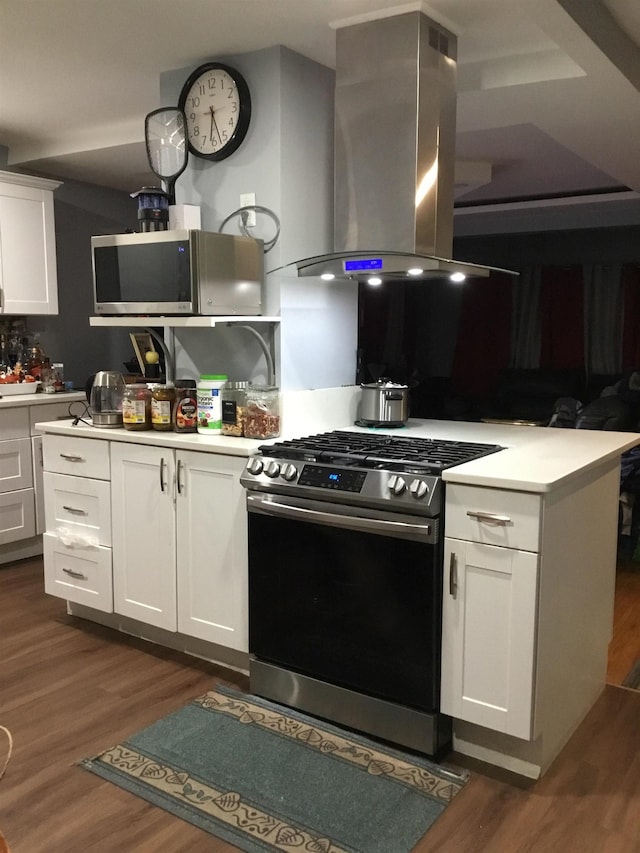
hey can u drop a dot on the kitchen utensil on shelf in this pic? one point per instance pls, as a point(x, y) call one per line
point(107, 393)
point(165, 135)
point(383, 403)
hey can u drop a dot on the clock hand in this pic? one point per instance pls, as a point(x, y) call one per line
point(212, 123)
point(213, 118)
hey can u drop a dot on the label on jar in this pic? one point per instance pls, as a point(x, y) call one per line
point(186, 415)
point(134, 412)
point(209, 410)
point(160, 412)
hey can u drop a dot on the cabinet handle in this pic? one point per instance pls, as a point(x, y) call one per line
point(179, 476)
point(162, 474)
point(491, 517)
point(453, 575)
point(71, 458)
point(73, 510)
point(73, 574)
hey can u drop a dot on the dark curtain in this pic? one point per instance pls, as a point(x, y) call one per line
point(631, 318)
point(484, 335)
point(562, 317)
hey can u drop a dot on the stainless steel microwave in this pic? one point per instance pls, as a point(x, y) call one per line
point(177, 272)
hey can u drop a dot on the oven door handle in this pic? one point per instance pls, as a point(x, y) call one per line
point(266, 506)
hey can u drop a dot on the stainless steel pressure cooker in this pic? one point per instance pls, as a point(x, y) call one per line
point(383, 403)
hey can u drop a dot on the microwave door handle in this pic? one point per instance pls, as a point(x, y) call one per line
point(402, 529)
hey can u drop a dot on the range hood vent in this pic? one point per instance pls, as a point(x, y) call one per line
point(395, 115)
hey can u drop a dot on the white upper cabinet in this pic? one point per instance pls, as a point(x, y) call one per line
point(28, 275)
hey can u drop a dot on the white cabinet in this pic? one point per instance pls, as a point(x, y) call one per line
point(144, 533)
point(212, 565)
point(37, 414)
point(17, 508)
point(490, 608)
point(77, 497)
point(28, 275)
point(179, 542)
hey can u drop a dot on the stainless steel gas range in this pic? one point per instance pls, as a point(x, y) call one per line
point(345, 579)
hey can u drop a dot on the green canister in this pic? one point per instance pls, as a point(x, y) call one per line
point(209, 403)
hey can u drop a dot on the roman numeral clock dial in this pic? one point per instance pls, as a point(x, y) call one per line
point(217, 105)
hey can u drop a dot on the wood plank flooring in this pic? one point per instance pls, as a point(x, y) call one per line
point(69, 688)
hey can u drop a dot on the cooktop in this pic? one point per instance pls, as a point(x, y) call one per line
point(391, 452)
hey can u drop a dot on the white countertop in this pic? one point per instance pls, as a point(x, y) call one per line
point(535, 459)
point(17, 400)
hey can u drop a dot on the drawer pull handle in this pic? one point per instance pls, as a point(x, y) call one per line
point(491, 517)
point(71, 458)
point(453, 575)
point(74, 510)
point(179, 477)
point(73, 574)
point(162, 463)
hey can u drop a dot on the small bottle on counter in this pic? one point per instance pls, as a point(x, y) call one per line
point(162, 401)
point(234, 406)
point(262, 418)
point(136, 407)
point(185, 408)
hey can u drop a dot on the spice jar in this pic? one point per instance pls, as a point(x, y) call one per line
point(234, 405)
point(185, 408)
point(162, 400)
point(262, 418)
point(136, 407)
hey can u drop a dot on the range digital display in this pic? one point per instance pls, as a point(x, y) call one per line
point(364, 265)
point(324, 477)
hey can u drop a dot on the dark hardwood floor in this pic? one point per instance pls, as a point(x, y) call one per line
point(69, 688)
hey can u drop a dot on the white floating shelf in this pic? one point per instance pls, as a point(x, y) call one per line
point(184, 322)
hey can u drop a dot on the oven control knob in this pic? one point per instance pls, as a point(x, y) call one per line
point(418, 488)
point(272, 468)
point(255, 465)
point(289, 472)
point(396, 484)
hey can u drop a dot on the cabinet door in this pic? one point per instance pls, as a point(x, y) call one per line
point(15, 465)
point(17, 516)
point(144, 533)
point(488, 636)
point(212, 549)
point(28, 276)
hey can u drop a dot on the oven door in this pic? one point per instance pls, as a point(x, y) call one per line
point(348, 596)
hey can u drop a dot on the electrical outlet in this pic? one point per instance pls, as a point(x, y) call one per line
point(246, 200)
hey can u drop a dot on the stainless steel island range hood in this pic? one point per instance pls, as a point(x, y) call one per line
point(395, 116)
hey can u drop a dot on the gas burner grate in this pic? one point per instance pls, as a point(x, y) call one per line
point(379, 451)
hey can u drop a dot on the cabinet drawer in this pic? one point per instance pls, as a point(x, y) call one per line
point(48, 412)
point(14, 423)
point(80, 506)
point(82, 575)
point(15, 465)
point(86, 457)
point(493, 516)
point(17, 516)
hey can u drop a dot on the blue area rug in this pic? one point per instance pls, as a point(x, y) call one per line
point(266, 778)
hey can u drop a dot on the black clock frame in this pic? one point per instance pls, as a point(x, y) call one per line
point(244, 116)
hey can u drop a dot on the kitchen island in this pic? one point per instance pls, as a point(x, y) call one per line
point(530, 532)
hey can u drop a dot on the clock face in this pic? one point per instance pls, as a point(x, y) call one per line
point(217, 106)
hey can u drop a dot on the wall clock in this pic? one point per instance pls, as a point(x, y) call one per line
point(217, 105)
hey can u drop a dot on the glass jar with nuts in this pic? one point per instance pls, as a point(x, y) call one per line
point(262, 418)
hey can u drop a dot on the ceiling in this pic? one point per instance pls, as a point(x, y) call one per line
point(548, 90)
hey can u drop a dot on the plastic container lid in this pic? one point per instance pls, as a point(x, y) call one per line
point(214, 377)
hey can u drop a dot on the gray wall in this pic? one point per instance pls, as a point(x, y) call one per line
point(81, 211)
